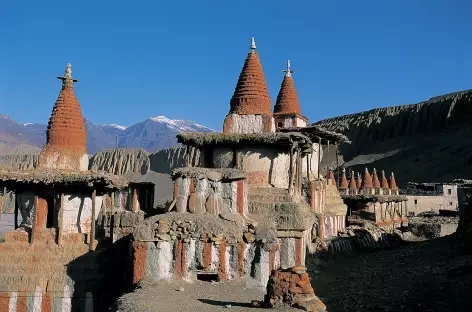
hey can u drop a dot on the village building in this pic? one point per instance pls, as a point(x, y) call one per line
point(43, 261)
point(249, 200)
point(431, 197)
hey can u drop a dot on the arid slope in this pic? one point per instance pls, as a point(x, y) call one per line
point(428, 141)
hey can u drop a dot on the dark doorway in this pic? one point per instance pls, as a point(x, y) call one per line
point(207, 277)
point(51, 212)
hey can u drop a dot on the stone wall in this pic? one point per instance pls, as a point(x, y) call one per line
point(120, 224)
point(433, 227)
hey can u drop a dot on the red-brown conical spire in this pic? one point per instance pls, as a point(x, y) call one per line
point(367, 183)
point(393, 183)
point(384, 180)
point(359, 181)
point(251, 95)
point(66, 137)
point(344, 185)
point(352, 182)
point(331, 177)
point(375, 180)
point(287, 99)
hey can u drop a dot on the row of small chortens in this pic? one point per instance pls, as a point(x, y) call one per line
point(356, 182)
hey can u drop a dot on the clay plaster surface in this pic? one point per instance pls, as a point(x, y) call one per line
point(58, 160)
point(77, 215)
point(249, 123)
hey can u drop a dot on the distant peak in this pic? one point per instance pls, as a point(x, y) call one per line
point(160, 118)
point(114, 126)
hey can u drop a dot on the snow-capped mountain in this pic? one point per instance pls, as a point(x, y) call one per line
point(151, 134)
point(156, 133)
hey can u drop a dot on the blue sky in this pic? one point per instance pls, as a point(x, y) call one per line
point(181, 59)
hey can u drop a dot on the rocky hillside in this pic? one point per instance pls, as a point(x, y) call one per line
point(428, 141)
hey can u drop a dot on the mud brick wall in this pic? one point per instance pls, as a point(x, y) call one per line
point(43, 277)
point(120, 224)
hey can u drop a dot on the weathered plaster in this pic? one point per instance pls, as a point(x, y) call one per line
point(77, 215)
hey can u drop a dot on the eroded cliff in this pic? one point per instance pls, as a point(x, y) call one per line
point(428, 141)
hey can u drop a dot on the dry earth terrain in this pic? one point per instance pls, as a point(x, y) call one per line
point(429, 276)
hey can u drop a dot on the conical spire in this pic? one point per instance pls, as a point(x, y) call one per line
point(331, 177)
point(384, 180)
point(359, 180)
point(66, 137)
point(375, 180)
point(352, 182)
point(287, 99)
point(367, 183)
point(393, 183)
point(251, 95)
point(344, 184)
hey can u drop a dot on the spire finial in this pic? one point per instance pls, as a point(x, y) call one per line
point(288, 71)
point(253, 44)
point(67, 79)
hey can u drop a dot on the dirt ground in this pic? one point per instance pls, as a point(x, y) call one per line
point(425, 276)
point(197, 296)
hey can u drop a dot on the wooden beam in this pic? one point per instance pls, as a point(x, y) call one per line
point(92, 225)
point(60, 221)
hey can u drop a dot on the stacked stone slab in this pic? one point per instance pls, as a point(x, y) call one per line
point(291, 287)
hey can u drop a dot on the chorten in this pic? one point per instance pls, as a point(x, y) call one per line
point(250, 106)
point(375, 180)
point(331, 179)
point(367, 182)
point(359, 181)
point(344, 185)
point(287, 112)
point(393, 183)
point(384, 181)
point(352, 184)
point(66, 137)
